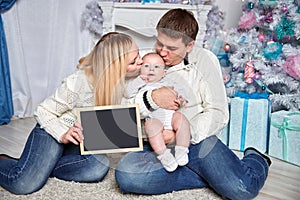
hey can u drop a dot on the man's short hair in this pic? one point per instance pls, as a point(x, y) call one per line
point(179, 23)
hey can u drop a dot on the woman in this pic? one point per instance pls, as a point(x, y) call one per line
point(52, 147)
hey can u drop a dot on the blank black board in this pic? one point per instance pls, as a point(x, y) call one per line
point(110, 129)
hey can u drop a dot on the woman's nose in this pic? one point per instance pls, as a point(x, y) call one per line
point(140, 61)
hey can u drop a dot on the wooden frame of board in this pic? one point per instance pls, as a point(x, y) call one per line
point(110, 129)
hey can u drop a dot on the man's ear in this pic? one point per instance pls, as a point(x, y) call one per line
point(190, 46)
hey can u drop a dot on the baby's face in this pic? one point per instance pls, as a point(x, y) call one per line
point(153, 68)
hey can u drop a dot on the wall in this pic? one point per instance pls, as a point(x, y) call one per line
point(44, 42)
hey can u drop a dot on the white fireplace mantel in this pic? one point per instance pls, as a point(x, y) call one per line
point(139, 20)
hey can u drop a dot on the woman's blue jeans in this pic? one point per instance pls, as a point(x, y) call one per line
point(44, 157)
point(211, 164)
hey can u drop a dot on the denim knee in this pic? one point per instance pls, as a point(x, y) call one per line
point(23, 187)
point(128, 183)
point(121, 181)
point(239, 191)
point(89, 168)
point(99, 170)
point(236, 189)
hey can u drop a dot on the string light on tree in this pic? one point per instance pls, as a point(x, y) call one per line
point(227, 47)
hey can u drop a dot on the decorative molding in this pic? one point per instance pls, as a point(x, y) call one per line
point(142, 18)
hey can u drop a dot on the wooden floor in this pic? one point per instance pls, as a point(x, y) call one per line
point(283, 182)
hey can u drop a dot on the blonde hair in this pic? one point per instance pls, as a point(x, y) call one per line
point(106, 65)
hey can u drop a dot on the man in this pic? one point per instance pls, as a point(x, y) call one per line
point(211, 163)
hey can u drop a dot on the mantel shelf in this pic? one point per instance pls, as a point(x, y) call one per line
point(139, 20)
point(159, 6)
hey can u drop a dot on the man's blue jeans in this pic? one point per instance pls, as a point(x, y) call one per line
point(44, 157)
point(211, 164)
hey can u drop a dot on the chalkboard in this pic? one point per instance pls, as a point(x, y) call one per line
point(110, 129)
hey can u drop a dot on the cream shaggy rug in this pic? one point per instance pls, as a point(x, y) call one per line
point(15, 137)
point(56, 189)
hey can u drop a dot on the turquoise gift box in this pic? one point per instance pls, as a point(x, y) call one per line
point(284, 142)
point(224, 135)
point(249, 121)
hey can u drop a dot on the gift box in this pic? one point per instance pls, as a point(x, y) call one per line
point(224, 135)
point(249, 122)
point(284, 141)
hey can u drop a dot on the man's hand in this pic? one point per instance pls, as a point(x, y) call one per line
point(181, 101)
point(169, 136)
point(166, 97)
point(74, 135)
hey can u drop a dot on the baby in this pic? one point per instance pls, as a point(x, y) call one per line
point(162, 120)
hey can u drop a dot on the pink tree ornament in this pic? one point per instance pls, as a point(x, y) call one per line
point(248, 20)
point(292, 66)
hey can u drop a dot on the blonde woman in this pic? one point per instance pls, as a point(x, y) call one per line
point(52, 147)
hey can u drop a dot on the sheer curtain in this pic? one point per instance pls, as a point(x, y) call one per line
point(44, 42)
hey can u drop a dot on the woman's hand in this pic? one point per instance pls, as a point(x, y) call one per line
point(74, 135)
point(166, 97)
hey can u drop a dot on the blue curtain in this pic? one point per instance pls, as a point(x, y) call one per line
point(6, 104)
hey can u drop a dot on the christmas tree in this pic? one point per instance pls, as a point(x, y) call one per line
point(264, 53)
point(214, 39)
